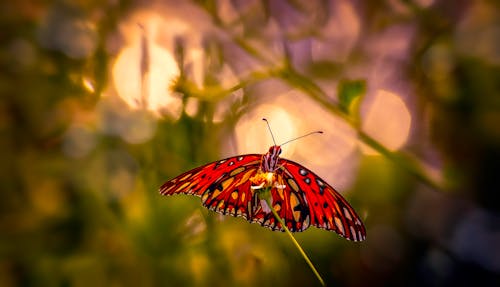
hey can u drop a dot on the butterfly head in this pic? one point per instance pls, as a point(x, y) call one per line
point(274, 151)
point(270, 159)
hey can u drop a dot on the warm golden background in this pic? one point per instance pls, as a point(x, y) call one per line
point(103, 101)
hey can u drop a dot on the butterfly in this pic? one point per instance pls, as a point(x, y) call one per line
point(300, 197)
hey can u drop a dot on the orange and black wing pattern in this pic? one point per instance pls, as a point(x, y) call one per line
point(313, 201)
point(299, 196)
point(224, 186)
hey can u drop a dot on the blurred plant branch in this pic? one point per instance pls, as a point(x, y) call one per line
point(412, 165)
point(289, 75)
point(215, 93)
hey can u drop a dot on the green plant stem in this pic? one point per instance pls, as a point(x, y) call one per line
point(288, 75)
point(411, 165)
point(309, 262)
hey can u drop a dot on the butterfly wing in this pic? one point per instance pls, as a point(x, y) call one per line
point(289, 203)
point(223, 185)
point(310, 200)
point(300, 197)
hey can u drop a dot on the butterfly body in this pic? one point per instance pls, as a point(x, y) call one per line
point(301, 198)
point(269, 162)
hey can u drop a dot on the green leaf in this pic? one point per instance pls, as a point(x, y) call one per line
point(348, 91)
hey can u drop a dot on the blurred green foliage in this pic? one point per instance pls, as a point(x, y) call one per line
point(80, 204)
point(348, 91)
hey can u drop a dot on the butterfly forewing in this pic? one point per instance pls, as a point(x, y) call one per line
point(327, 208)
point(198, 180)
point(223, 185)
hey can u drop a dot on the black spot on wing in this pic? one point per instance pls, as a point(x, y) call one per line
point(216, 185)
point(321, 190)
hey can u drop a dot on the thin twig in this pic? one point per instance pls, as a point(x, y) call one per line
point(413, 166)
point(302, 252)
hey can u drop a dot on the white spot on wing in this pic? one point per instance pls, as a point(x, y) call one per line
point(354, 234)
point(347, 214)
point(306, 223)
point(339, 225)
point(361, 236)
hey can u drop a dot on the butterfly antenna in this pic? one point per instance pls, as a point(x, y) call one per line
point(315, 132)
point(269, 127)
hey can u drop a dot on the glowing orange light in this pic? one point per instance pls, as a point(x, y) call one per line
point(144, 70)
point(331, 155)
point(191, 107)
point(387, 120)
point(88, 85)
point(134, 87)
point(252, 134)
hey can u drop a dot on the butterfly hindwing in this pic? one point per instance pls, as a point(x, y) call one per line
point(289, 203)
point(231, 195)
point(327, 208)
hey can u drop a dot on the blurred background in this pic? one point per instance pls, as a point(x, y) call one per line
point(103, 101)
